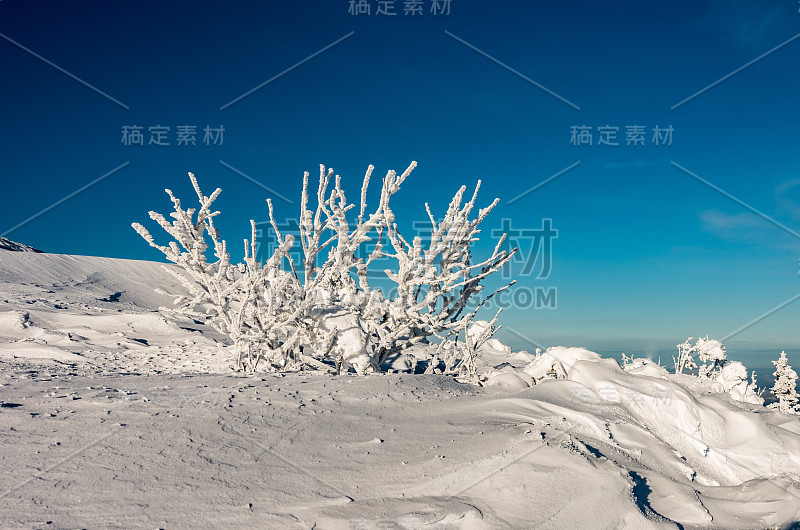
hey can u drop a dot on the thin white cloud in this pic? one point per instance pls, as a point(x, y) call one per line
point(722, 223)
point(787, 195)
point(748, 23)
point(746, 228)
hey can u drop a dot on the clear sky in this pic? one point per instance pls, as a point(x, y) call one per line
point(652, 245)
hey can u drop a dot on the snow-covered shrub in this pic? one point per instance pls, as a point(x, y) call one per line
point(252, 303)
point(708, 350)
point(433, 284)
point(785, 388)
point(460, 357)
point(732, 379)
point(332, 313)
point(711, 350)
point(685, 358)
point(724, 377)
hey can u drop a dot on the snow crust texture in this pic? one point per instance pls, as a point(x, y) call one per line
point(113, 415)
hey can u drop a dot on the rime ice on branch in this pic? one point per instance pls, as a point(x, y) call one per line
point(333, 314)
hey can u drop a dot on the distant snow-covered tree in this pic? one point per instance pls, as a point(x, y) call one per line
point(732, 379)
point(706, 349)
point(711, 350)
point(785, 388)
point(723, 376)
point(626, 360)
point(685, 358)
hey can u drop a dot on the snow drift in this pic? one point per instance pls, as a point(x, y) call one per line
point(120, 404)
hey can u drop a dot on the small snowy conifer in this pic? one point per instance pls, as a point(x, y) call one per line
point(785, 388)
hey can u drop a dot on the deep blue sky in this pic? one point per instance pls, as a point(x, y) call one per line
point(646, 255)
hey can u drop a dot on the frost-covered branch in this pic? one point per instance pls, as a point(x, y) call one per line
point(332, 314)
point(253, 304)
point(434, 284)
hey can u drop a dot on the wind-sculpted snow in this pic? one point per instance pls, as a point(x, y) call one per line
point(693, 449)
point(724, 444)
point(113, 414)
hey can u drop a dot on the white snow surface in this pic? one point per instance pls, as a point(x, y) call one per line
point(7, 244)
point(113, 415)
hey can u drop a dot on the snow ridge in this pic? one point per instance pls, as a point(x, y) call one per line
point(7, 244)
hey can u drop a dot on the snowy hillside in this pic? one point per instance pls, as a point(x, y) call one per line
point(98, 312)
point(7, 244)
point(114, 415)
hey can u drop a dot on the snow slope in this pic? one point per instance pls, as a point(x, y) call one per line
point(7, 244)
point(111, 415)
point(100, 313)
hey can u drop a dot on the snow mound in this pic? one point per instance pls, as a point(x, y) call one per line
point(723, 443)
point(642, 366)
point(557, 362)
point(693, 455)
